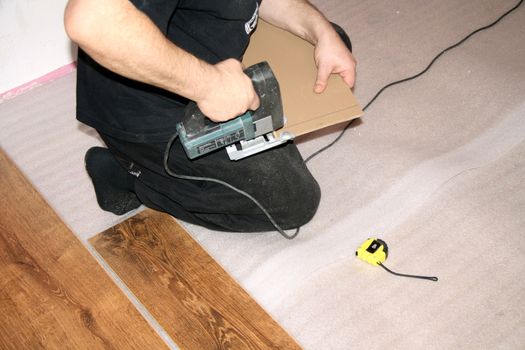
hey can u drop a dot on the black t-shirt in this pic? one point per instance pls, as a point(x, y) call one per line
point(212, 30)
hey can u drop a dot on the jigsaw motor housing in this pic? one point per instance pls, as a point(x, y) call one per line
point(199, 135)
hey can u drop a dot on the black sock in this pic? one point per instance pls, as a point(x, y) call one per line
point(114, 186)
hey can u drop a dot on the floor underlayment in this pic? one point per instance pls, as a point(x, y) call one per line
point(436, 168)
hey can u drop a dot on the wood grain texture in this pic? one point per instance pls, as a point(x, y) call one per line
point(191, 296)
point(53, 294)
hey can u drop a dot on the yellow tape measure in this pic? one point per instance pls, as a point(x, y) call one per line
point(375, 251)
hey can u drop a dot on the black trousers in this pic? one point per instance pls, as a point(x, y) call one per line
point(277, 178)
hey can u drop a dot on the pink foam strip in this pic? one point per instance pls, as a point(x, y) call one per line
point(57, 73)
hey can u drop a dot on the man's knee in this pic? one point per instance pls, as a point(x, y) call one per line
point(300, 204)
point(343, 35)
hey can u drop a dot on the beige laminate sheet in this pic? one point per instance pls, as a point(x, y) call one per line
point(292, 61)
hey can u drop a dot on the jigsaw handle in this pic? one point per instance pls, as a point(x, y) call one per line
point(267, 88)
point(200, 135)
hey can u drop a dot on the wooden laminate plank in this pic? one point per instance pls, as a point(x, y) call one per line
point(193, 298)
point(53, 294)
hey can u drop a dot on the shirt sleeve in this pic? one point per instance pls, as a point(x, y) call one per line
point(159, 11)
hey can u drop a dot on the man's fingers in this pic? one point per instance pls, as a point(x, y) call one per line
point(255, 103)
point(323, 73)
point(230, 92)
point(348, 77)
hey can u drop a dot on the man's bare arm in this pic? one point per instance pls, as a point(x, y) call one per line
point(304, 20)
point(123, 39)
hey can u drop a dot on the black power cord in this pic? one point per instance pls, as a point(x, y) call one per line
point(435, 279)
point(209, 179)
point(413, 77)
point(247, 195)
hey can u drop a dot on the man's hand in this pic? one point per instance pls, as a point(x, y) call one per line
point(333, 57)
point(228, 92)
point(304, 20)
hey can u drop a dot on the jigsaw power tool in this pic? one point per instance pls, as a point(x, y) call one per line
point(244, 135)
